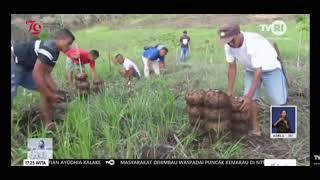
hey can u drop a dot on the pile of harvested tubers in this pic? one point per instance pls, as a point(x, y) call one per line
point(96, 86)
point(214, 109)
point(82, 84)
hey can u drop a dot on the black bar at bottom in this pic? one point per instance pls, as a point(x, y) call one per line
point(155, 162)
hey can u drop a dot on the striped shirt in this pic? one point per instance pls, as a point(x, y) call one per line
point(27, 53)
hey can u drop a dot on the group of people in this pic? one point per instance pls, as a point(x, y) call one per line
point(32, 64)
point(153, 59)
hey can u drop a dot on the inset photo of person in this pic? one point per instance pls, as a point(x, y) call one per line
point(283, 121)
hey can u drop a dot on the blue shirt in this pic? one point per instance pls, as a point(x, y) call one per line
point(153, 54)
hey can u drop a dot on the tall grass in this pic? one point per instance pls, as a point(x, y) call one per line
point(118, 122)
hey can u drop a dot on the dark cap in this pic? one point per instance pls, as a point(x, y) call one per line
point(228, 31)
point(185, 31)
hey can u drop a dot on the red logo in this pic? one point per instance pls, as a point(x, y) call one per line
point(34, 27)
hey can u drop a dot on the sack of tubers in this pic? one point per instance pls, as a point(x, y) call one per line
point(82, 77)
point(82, 84)
point(214, 109)
point(216, 99)
point(97, 82)
point(216, 115)
point(96, 88)
point(195, 97)
point(240, 120)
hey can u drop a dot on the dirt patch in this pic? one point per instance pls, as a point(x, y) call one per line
point(205, 139)
point(267, 148)
point(296, 92)
point(170, 139)
point(202, 139)
point(255, 147)
point(167, 149)
point(31, 117)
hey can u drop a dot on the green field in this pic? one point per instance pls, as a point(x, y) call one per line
point(123, 123)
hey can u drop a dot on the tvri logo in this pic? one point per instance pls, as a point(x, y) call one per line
point(277, 27)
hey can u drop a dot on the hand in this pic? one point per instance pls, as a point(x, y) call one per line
point(52, 126)
point(246, 103)
point(54, 98)
point(230, 93)
point(76, 56)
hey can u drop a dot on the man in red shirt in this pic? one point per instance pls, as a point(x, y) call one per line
point(86, 57)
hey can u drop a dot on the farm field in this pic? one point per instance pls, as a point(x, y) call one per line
point(150, 120)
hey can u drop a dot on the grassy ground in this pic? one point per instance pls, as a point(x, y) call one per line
point(122, 123)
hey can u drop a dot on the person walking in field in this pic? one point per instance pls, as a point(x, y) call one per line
point(31, 67)
point(262, 67)
point(185, 47)
point(86, 57)
point(130, 69)
point(154, 58)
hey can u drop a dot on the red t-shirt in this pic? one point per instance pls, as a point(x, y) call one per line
point(84, 57)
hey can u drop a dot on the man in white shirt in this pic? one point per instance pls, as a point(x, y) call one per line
point(130, 69)
point(262, 66)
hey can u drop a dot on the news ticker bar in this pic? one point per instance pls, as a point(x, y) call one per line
point(160, 162)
